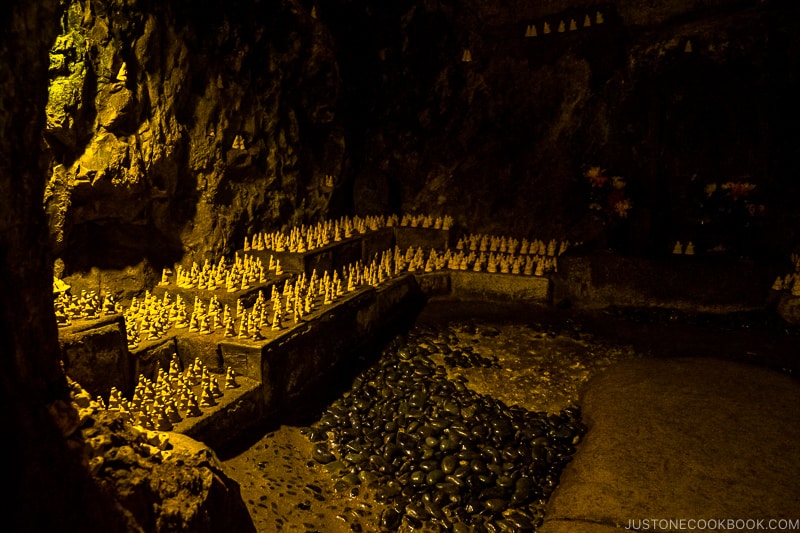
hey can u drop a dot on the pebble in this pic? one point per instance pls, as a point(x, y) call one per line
point(438, 454)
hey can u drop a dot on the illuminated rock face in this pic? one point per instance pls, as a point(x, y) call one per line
point(173, 130)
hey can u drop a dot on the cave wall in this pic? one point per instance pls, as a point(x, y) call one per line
point(48, 487)
point(435, 106)
point(674, 97)
point(177, 128)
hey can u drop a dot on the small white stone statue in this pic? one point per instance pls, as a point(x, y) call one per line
point(122, 74)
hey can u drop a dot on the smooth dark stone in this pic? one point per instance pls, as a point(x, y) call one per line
point(506, 526)
point(448, 445)
point(475, 483)
point(524, 483)
point(462, 471)
point(492, 493)
point(367, 477)
point(390, 519)
point(520, 521)
point(433, 509)
point(449, 464)
point(322, 455)
point(341, 486)
point(379, 463)
point(427, 453)
point(504, 481)
point(490, 453)
point(434, 477)
point(416, 511)
point(334, 467)
point(413, 523)
point(386, 493)
point(478, 466)
point(352, 479)
point(452, 408)
point(408, 492)
point(474, 506)
point(467, 455)
point(497, 505)
point(428, 465)
point(418, 399)
point(459, 482)
point(448, 487)
point(418, 477)
point(439, 423)
point(390, 450)
point(355, 457)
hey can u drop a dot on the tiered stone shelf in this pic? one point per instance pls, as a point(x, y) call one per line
point(373, 280)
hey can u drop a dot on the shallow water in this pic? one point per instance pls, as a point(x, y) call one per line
point(538, 368)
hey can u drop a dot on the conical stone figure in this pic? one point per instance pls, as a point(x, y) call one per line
point(230, 379)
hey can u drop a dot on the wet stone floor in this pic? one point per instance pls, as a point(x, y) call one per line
point(457, 426)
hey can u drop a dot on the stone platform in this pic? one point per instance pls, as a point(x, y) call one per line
point(333, 256)
point(699, 284)
point(682, 439)
point(289, 362)
point(248, 296)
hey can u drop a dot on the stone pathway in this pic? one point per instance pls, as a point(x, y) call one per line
point(673, 439)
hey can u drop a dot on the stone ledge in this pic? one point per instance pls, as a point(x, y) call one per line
point(679, 282)
point(682, 438)
point(465, 284)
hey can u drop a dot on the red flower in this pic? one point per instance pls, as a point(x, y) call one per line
point(596, 177)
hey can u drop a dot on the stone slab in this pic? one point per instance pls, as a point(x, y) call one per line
point(237, 410)
point(149, 357)
point(696, 283)
point(687, 438)
point(396, 302)
point(82, 324)
point(248, 296)
point(494, 286)
point(334, 255)
point(95, 354)
point(434, 283)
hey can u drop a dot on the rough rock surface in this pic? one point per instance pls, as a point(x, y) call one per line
point(681, 438)
point(49, 489)
point(175, 130)
point(163, 481)
point(501, 141)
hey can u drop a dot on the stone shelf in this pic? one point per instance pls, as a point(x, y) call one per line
point(288, 363)
point(248, 296)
